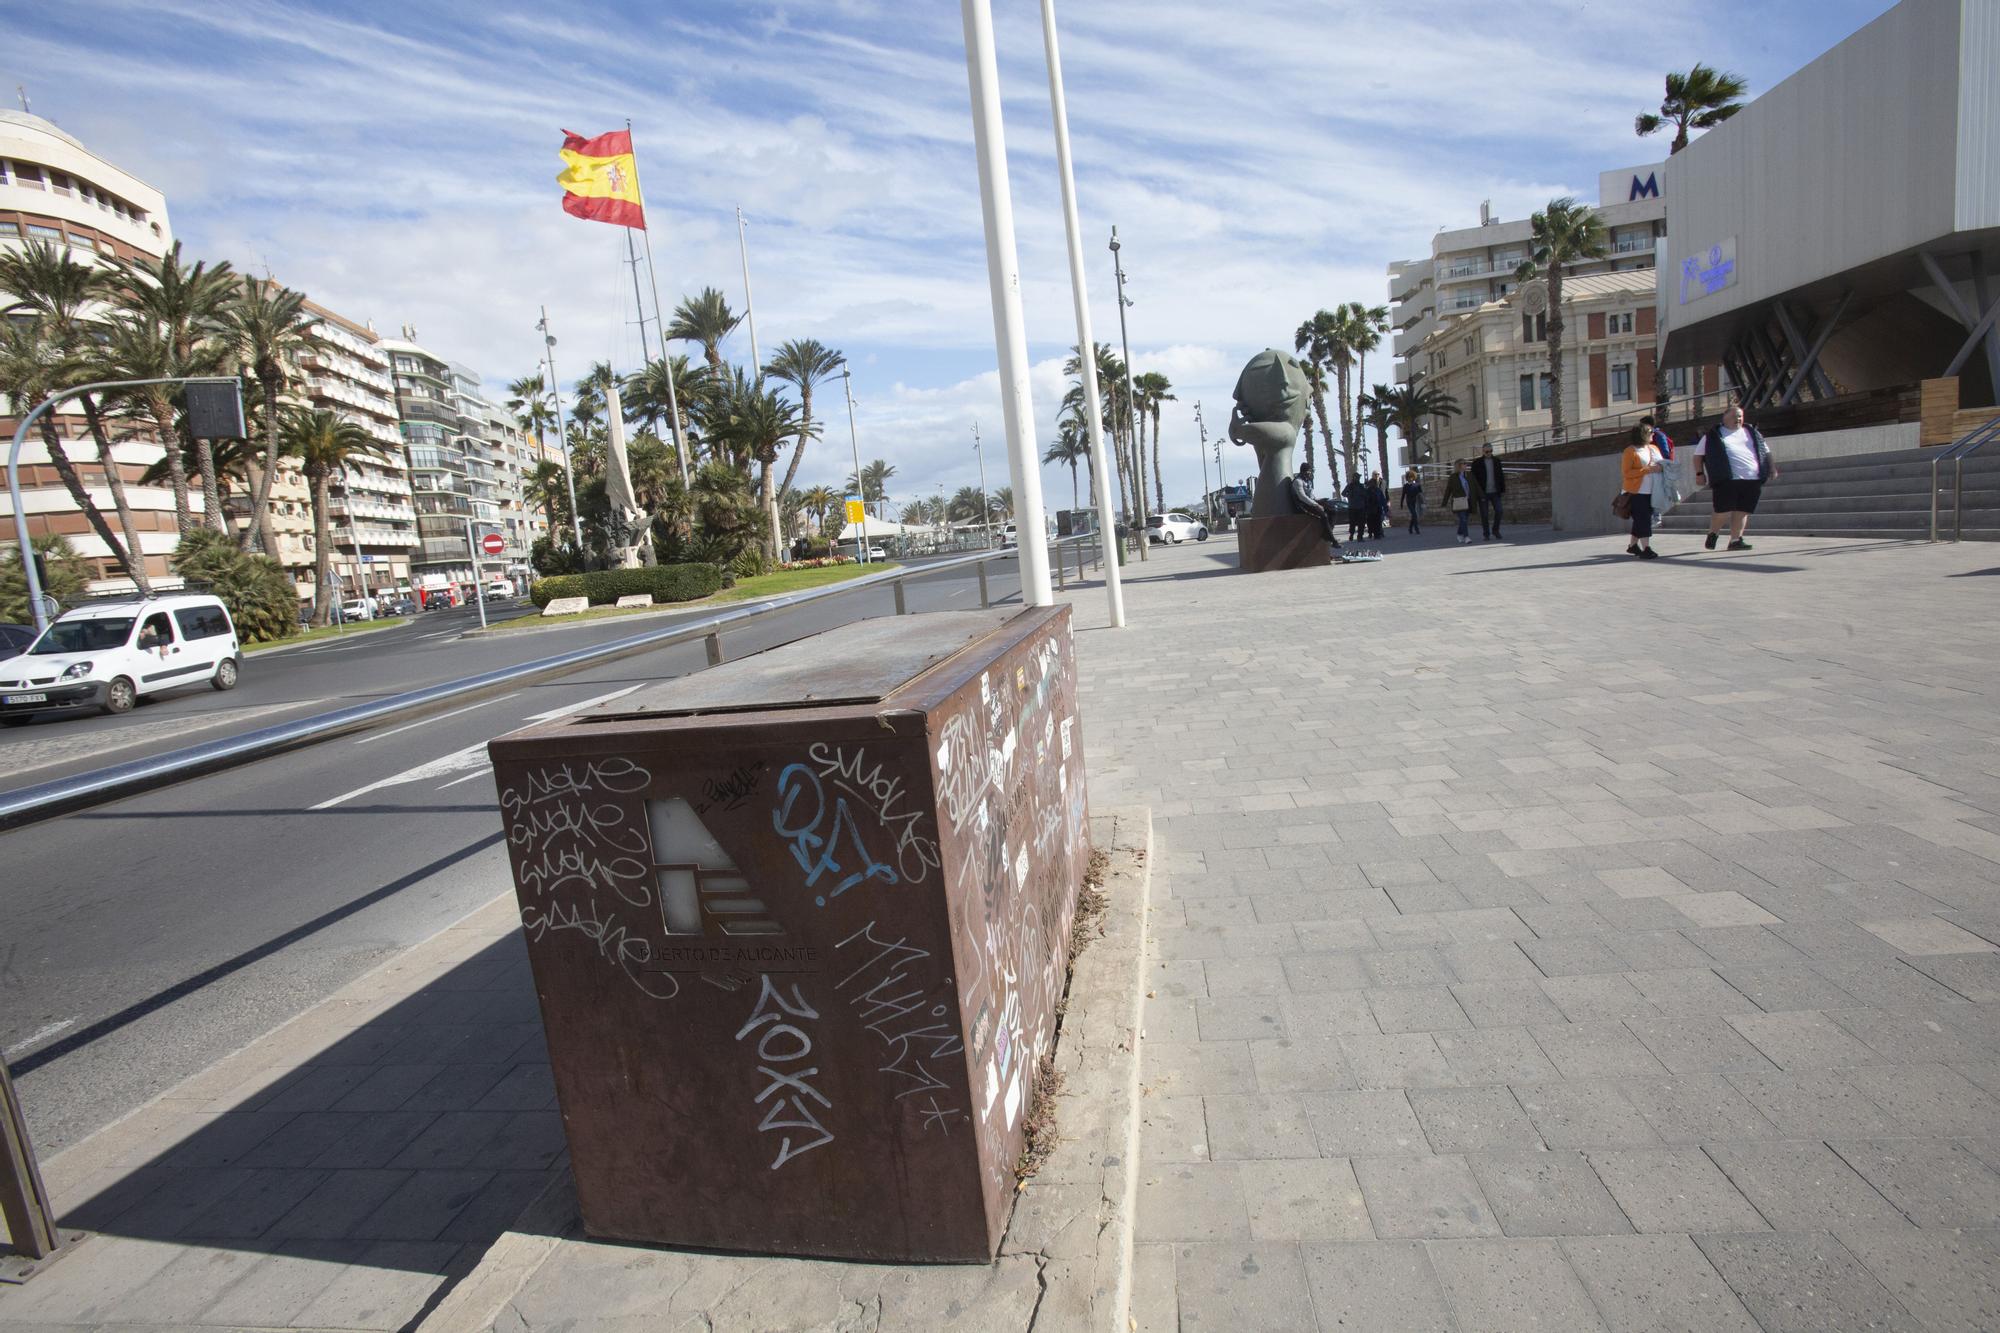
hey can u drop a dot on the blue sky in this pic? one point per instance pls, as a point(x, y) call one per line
point(396, 161)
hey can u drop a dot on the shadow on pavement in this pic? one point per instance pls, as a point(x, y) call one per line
point(1623, 559)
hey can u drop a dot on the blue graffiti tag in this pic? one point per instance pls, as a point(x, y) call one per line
point(819, 854)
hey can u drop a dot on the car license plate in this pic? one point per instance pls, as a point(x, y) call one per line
point(23, 698)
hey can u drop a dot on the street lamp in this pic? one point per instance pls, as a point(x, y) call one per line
point(569, 472)
point(985, 505)
point(1131, 437)
point(854, 441)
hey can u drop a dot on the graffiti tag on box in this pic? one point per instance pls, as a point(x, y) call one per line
point(581, 856)
point(782, 1050)
point(911, 1014)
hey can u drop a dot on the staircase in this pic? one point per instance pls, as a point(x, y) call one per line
point(1886, 495)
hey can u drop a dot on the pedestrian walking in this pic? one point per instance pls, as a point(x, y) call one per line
point(1735, 462)
point(1378, 506)
point(1461, 496)
point(1413, 499)
point(1492, 480)
point(1356, 496)
point(1639, 477)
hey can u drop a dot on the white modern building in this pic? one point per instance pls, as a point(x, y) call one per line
point(1472, 266)
point(1841, 234)
point(347, 372)
point(55, 190)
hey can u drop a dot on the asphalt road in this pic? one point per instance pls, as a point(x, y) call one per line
point(146, 939)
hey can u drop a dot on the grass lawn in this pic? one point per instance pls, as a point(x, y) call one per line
point(764, 585)
point(356, 627)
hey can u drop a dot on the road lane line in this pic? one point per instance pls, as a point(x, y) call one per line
point(426, 721)
point(455, 781)
point(34, 1039)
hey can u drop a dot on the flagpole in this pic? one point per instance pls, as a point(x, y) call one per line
point(653, 275)
point(562, 432)
point(757, 367)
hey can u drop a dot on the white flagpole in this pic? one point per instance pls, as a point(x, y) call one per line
point(1086, 349)
point(757, 369)
point(666, 361)
point(1003, 271)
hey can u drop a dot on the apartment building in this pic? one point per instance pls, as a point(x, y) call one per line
point(56, 190)
point(372, 514)
point(1494, 361)
point(1473, 266)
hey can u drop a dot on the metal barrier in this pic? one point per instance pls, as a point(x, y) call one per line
point(24, 1202)
point(46, 800)
point(1956, 453)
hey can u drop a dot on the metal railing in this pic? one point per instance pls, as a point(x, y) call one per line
point(1956, 454)
point(28, 805)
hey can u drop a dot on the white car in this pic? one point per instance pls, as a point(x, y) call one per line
point(360, 608)
point(876, 553)
point(1175, 527)
point(107, 654)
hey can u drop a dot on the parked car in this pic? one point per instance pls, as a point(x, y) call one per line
point(108, 654)
point(15, 639)
point(403, 606)
point(875, 551)
point(361, 608)
point(1008, 536)
point(1175, 527)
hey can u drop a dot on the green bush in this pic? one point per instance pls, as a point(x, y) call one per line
point(748, 564)
point(552, 557)
point(64, 577)
point(255, 588)
point(663, 583)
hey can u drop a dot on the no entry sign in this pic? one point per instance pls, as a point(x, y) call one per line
point(492, 543)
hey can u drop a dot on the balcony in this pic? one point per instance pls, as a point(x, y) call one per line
point(1634, 245)
point(1463, 302)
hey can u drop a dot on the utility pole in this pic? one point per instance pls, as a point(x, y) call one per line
point(652, 276)
point(1207, 498)
point(985, 505)
point(562, 431)
point(757, 370)
point(1131, 436)
point(1100, 462)
point(861, 538)
point(1003, 275)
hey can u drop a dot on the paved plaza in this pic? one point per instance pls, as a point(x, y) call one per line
point(1544, 940)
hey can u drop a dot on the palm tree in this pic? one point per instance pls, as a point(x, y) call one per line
point(1560, 235)
point(819, 501)
point(1378, 415)
point(546, 487)
point(873, 484)
point(326, 443)
point(1409, 405)
point(269, 327)
point(1700, 99)
point(968, 506)
point(50, 345)
point(802, 363)
point(705, 319)
point(179, 310)
point(1152, 389)
point(1318, 340)
point(754, 422)
point(1111, 401)
point(647, 393)
point(1369, 323)
point(1072, 448)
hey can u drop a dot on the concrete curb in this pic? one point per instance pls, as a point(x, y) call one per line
point(277, 649)
point(685, 608)
point(1065, 1263)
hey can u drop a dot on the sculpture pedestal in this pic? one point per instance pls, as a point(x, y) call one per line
point(1288, 541)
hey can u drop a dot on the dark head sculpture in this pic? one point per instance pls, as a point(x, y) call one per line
point(1271, 403)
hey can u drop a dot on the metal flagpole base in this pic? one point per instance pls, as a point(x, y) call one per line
point(18, 1268)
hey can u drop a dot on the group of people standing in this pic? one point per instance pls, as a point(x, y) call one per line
point(1731, 458)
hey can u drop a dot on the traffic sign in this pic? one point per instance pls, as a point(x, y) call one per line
point(856, 511)
point(493, 543)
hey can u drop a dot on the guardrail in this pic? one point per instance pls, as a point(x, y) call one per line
point(29, 805)
point(1956, 454)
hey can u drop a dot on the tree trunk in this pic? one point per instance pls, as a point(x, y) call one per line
point(805, 433)
point(1159, 486)
point(261, 525)
point(135, 554)
point(1343, 378)
point(66, 470)
point(1326, 435)
point(1382, 450)
point(1074, 502)
point(211, 492)
point(773, 539)
point(323, 550)
point(1555, 355)
point(170, 447)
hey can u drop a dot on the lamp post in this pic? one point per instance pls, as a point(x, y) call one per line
point(562, 434)
point(853, 439)
point(1207, 498)
point(1131, 437)
point(985, 505)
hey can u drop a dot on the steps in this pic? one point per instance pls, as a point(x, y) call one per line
point(1885, 496)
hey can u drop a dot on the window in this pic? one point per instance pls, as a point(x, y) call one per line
point(3, 171)
point(59, 181)
point(1674, 381)
point(1534, 328)
point(27, 173)
point(156, 632)
point(1472, 400)
point(1619, 323)
point(1467, 345)
point(202, 622)
point(1527, 393)
point(37, 232)
point(1621, 382)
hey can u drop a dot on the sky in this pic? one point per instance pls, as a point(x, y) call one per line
point(1261, 160)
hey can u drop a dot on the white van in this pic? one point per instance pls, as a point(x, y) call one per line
point(106, 654)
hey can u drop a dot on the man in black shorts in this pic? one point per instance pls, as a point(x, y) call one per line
point(1733, 459)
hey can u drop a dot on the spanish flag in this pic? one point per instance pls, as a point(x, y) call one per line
point(600, 179)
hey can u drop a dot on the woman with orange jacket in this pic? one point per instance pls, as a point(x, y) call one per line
point(1639, 473)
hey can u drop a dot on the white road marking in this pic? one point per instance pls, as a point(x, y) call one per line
point(426, 721)
point(455, 781)
point(34, 1039)
point(471, 757)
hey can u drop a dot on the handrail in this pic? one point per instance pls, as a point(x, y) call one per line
point(46, 800)
point(1956, 453)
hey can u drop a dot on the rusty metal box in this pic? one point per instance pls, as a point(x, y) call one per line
point(799, 924)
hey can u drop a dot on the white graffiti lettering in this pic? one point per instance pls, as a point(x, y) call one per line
point(915, 1029)
point(792, 1088)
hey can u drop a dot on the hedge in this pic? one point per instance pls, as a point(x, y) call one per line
point(663, 583)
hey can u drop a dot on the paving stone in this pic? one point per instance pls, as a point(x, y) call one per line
point(1404, 1060)
point(1334, 935)
point(336, 1206)
point(1890, 983)
point(1662, 949)
point(1948, 1279)
point(424, 1206)
point(1386, 1285)
point(1546, 1194)
point(1974, 976)
point(1257, 1126)
point(1226, 1287)
point(1697, 1108)
point(1673, 1189)
point(1182, 1070)
point(1407, 967)
point(1572, 955)
point(1656, 1284)
point(1501, 1286)
point(1314, 1199)
point(1457, 1120)
point(1694, 1045)
point(1926, 935)
point(1804, 1282)
point(1192, 1201)
point(1741, 945)
point(1920, 1036)
point(1584, 1115)
point(1316, 1064)
point(1596, 1050)
point(1416, 1009)
point(1595, 999)
point(1490, 962)
point(1724, 908)
point(284, 1283)
point(1690, 991)
point(1238, 1018)
point(1811, 1104)
point(1329, 1014)
point(1365, 1124)
point(1423, 1198)
point(1803, 1186)
point(1495, 1055)
point(1492, 1004)
point(1310, 974)
point(1936, 1184)
point(1173, 1129)
point(1785, 987)
point(1803, 1040)
point(1927, 1099)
